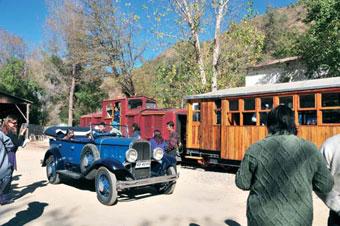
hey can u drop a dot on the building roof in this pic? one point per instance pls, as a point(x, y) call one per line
point(279, 61)
point(6, 98)
point(270, 88)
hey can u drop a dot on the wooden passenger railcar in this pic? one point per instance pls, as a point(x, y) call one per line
point(221, 125)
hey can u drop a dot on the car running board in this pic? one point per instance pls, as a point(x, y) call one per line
point(71, 174)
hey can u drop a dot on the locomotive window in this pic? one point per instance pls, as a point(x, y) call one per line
point(330, 99)
point(249, 104)
point(233, 105)
point(331, 116)
point(263, 118)
point(307, 101)
point(150, 104)
point(134, 104)
point(287, 101)
point(266, 103)
point(109, 110)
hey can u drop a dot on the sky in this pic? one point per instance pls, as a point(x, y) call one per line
point(26, 18)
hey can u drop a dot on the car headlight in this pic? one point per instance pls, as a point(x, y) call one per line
point(131, 155)
point(158, 153)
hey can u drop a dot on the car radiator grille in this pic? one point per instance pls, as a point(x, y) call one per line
point(144, 153)
point(143, 149)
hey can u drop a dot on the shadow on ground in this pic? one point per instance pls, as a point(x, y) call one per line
point(136, 194)
point(211, 168)
point(231, 222)
point(19, 192)
point(34, 210)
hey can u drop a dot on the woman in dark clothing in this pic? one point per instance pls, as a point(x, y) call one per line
point(9, 127)
point(280, 172)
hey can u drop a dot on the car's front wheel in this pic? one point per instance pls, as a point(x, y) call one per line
point(51, 170)
point(88, 156)
point(106, 186)
point(169, 187)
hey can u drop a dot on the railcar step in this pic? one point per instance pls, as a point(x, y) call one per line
point(71, 174)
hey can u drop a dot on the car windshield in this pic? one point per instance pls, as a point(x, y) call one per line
point(113, 129)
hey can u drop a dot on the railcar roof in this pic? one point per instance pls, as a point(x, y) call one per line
point(270, 88)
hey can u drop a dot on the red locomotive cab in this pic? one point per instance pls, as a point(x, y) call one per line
point(142, 111)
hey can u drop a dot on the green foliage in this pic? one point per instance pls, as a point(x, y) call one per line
point(319, 47)
point(242, 47)
point(15, 81)
point(279, 37)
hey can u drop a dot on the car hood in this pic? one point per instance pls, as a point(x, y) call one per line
point(114, 141)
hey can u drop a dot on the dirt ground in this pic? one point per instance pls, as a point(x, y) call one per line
point(200, 198)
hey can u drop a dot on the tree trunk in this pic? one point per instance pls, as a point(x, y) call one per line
point(216, 54)
point(199, 57)
point(70, 103)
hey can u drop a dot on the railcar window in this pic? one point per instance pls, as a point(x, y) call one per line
point(307, 101)
point(218, 111)
point(249, 118)
point(263, 118)
point(287, 101)
point(266, 103)
point(109, 110)
point(307, 117)
point(196, 106)
point(235, 119)
point(233, 105)
point(330, 99)
point(134, 104)
point(331, 116)
point(196, 114)
point(249, 104)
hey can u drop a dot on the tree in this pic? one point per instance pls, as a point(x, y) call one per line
point(192, 13)
point(11, 46)
point(65, 29)
point(111, 42)
point(13, 82)
point(319, 47)
point(222, 7)
point(279, 37)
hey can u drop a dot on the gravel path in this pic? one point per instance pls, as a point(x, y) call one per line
point(200, 198)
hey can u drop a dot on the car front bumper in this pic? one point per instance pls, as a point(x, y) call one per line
point(121, 185)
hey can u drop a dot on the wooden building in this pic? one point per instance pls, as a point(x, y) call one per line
point(221, 125)
point(16, 106)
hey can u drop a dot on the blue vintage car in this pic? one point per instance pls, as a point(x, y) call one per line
point(115, 161)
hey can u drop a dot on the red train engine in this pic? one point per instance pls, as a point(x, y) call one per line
point(144, 112)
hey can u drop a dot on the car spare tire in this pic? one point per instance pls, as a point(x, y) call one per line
point(88, 156)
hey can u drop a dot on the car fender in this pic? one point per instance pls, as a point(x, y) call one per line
point(167, 161)
point(111, 164)
point(54, 150)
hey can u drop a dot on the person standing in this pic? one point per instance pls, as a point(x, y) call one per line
point(157, 140)
point(280, 172)
point(172, 146)
point(116, 115)
point(9, 128)
point(6, 145)
point(136, 131)
point(331, 152)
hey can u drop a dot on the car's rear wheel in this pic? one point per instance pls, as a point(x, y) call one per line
point(88, 156)
point(106, 186)
point(169, 187)
point(51, 170)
